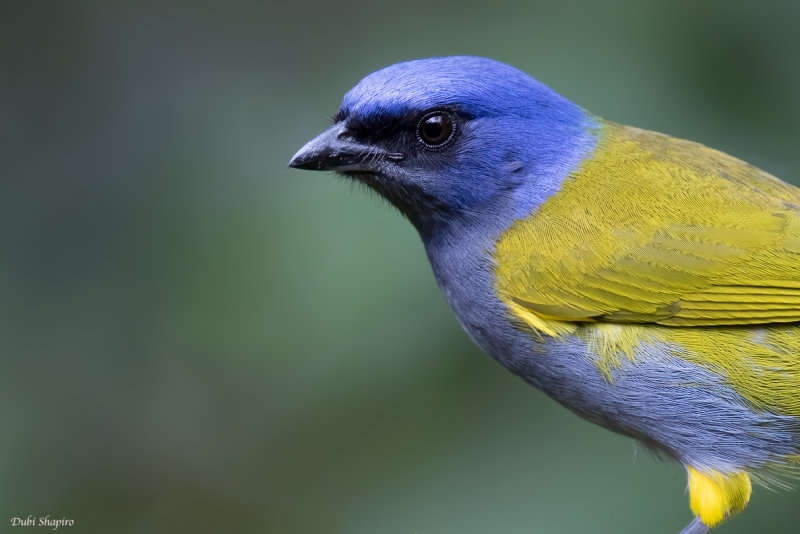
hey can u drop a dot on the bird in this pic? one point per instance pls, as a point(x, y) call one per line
point(649, 284)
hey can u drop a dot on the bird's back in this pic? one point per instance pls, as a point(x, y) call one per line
point(652, 229)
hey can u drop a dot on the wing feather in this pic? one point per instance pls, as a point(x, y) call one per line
point(653, 229)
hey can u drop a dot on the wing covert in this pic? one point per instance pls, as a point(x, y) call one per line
point(653, 229)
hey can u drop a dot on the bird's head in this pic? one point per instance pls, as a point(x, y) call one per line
point(451, 136)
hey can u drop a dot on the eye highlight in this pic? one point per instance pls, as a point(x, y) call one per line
point(436, 128)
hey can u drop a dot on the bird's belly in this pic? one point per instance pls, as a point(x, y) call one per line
point(664, 387)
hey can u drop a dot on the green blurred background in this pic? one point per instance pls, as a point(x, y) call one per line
point(196, 339)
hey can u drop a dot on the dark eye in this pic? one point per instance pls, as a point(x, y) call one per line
point(436, 128)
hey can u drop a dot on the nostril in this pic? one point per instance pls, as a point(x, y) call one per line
point(344, 133)
point(397, 157)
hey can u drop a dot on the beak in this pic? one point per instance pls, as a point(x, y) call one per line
point(335, 150)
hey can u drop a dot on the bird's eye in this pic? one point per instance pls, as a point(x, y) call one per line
point(436, 128)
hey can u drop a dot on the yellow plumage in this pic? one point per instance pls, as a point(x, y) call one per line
point(660, 241)
point(715, 496)
point(655, 229)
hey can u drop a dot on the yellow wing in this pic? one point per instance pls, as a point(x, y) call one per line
point(653, 229)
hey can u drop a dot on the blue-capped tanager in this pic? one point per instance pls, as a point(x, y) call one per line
point(647, 283)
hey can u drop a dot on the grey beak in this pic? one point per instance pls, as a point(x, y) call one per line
point(335, 150)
